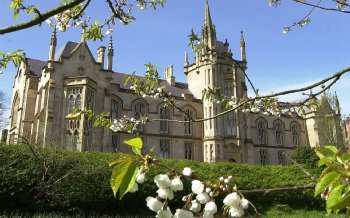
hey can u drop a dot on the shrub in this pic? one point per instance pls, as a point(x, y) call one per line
point(305, 155)
point(59, 180)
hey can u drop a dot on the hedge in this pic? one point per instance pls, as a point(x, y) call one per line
point(35, 179)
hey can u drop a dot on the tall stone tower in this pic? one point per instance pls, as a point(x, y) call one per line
point(214, 67)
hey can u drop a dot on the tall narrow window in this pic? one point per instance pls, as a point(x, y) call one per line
point(114, 109)
point(164, 116)
point(210, 116)
point(211, 152)
point(295, 134)
point(261, 128)
point(164, 148)
point(279, 129)
point(15, 107)
point(281, 158)
point(206, 116)
point(218, 151)
point(71, 103)
point(88, 124)
point(228, 88)
point(188, 123)
point(74, 101)
point(263, 157)
point(139, 110)
point(189, 150)
point(216, 119)
point(231, 124)
point(208, 76)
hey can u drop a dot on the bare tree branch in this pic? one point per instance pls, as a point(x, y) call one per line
point(320, 7)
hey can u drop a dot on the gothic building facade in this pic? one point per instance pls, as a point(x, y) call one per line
point(45, 94)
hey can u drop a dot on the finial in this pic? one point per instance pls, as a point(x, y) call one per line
point(110, 45)
point(186, 58)
point(82, 35)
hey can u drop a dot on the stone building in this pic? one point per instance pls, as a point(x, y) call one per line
point(45, 93)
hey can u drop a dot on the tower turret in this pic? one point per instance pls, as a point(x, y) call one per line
point(53, 43)
point(242, 43)
point(208, 31)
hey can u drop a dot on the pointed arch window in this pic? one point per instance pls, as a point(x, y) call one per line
point(189, 150)
point(295, 134)
point(279, 132)
point(164, 116)
point(114, 109)
point(188, 124)
point(228, 88)
point(262, 129)
point(139, 110)
point(231, 124)
point(74, 99)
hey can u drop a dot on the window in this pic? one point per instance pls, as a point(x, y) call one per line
point(211, 120)
point(211, 153)
point(88, 124)
point(115, 142)
point(139, 110)
point(228, 88)
point(208, 76)
point(114, 109)
point(231, 124)
point(206, 116)
point(164, 116)
point(218, 151)
point(74, 99)
point(164, 148)
point(15, 107)
point(188, 123)
point(281, 158)
point(279, 132)
point(263, 157)
point(189, 150)
point(296, 134)
point(261, 127)
point(216, 119)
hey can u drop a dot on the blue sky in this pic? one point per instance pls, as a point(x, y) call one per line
point(276, 61)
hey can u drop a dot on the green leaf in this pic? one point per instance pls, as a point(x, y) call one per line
point(334, 196)
point(326, 180)
point(135, 142)
point(136, 151)
point(324, 161)
point(332, 148)
point(344, 202)
point(123, 176)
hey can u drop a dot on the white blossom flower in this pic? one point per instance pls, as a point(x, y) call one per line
point(203, 197)
point(208, 190)
point(164, 214)
point(50, 23)
point(115, 128)
point(187, 171)
point(226, 181)
point(206, 214)
point(211, 207)
point(79, 23)
point(195, 206)
point(162, 180)
point(181, 213)
point(176, 184)
point(154, 204)
point(197, 187)
point(229, 177)
point(135, 188)
point(221, 179)
point(232, 199)
point(244, 203)
point(236, 211)
point(165, 193)
point(109, 31)
point(286, 29)
point(140, 177)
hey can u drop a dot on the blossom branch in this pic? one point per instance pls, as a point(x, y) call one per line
point(321, 7)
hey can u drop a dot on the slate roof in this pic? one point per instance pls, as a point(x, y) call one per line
point(35, 66)
point(66, 50)
point(178, 90)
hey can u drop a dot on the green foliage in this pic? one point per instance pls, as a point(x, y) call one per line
point(334, 181)
point(93, 32)
point(305, 155)
point(15, 57)
point(72, 181)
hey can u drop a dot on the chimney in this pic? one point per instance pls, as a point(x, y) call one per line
point(168, 75)
point(101, 55)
